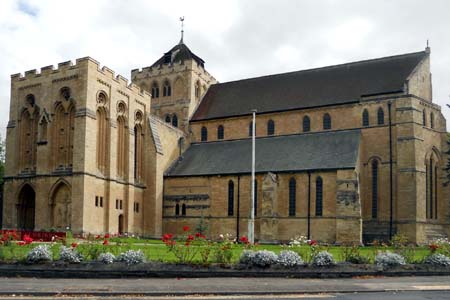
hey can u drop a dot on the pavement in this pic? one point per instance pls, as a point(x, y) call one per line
point(397, 288)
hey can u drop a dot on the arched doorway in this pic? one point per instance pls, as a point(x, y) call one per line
point(61, 202)
point(120, 224)
point(26, 208)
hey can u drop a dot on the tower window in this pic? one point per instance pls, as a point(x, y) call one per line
point(365, 118)
point(380, 116)
point(167, 90)
point(175, 121)
point(155, 90)
point(326, 121)
point(204, 134)
point(220, 132)
point(270, 127)
point(431, 120)
point(168, 119)
point(424, 118)
point(306, 124)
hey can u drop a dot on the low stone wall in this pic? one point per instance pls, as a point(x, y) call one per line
point(160, 270)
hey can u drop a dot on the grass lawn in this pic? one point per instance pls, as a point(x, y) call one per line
point(156, 250)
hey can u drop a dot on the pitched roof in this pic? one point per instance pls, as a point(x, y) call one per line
point(312, 151)
point(309, 88)
point(178, 53)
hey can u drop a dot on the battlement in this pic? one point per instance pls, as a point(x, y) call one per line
point(81, 63)
point(165, 69)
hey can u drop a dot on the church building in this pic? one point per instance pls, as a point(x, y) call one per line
point(344, 154)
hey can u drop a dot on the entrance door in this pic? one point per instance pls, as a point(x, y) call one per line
point(26, 208)
point(120, 224)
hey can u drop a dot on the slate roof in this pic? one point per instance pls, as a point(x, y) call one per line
point(179, 53)
point(332, 85)
point(311, 151)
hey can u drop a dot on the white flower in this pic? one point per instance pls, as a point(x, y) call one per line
point(389, 259)
point(437, 259)
point(39, 253)
point(289, 258)
point(70, 255)
point(106, 258)
point(131, 257)
point(323, 259)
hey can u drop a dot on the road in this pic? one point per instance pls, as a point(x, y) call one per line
point(400, 288)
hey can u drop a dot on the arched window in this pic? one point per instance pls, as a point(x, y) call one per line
point(28, 140)
point(365, 118)
point(138, 152)
point(204, 134)
point(256, 198)
point(380, 116)
point(374, 189)
point(306, 124)
point(177, 209)
point(155, 90)
point(168, 120)
point(319, 196)
point(292, 197)
point(250, 128)
point(167, 91)
point(122, 147)
point(431, 189)
point(270, 127)
point(175, 121)
point(183, 209)
point(220, 132)
point(431, 120)
point(230, 198)
point(424, 118)
point(197, 89)
point(102, 139)
point(326, 121)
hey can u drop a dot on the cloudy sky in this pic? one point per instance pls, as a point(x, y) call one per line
point(237, 39)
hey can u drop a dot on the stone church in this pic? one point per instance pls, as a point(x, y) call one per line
point(344, 153)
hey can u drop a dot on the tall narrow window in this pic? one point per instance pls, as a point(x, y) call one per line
point(102, 139)
point(374, 189)
point(427, 191)
point(380, 116)
point(28, 140)
point(204, 134)
point(122, 147)
point(250, 128)
point(183, 209)
point(197, 89)
point(138, 152)
point(177, 209)
point(270, 127)
point(155, 90)
point(436, 192)
point(431, 120)
point(326, 121)
point(292, 197)
point(306, 124)
point(319, 196)
point(230, 198)
point(430, 201)
point(424, 118)
point(168, 120)
point(365, 118)
point(256, 198)
point(220, 132)
point(175, 121)
point(167, 91)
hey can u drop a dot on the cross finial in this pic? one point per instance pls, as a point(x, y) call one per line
point(182, 29)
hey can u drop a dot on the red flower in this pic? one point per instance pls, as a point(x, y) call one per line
point(187, 243)
point(167, 237)
point(312, 243)
point(27, 239)
point(74, 245)
point(190, 237)
point(21, 243)
point(107, 236)
point(200, 236)
point(244, 239)
point(105, 242)
point(433, 247)
point(186, 228)
point(98, 237)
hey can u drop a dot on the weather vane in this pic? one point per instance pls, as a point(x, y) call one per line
point(182, 28)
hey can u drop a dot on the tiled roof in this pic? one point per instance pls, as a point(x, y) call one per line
point(310, 88)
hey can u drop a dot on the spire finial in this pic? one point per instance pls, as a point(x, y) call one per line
point(427, 49)
point(182, 29)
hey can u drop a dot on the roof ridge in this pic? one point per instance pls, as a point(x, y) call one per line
point(323, 68)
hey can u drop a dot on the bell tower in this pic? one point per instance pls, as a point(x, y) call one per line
point(177, 81)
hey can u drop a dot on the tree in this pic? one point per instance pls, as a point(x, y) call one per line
point(447, 167)
point(2, 159)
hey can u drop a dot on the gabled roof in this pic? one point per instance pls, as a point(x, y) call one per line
point(302, 152)
point(332, 85)
point(177, 54)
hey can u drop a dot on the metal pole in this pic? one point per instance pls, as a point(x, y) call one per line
point(251, 223)
point(391, 205)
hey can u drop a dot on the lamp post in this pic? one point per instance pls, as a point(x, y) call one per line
point(251, 223)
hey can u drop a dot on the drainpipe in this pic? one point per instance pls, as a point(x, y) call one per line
point(390, 175)
point(309, 205)
point(238, 206)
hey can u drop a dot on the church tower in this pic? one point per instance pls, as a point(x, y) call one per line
point(177, 82)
